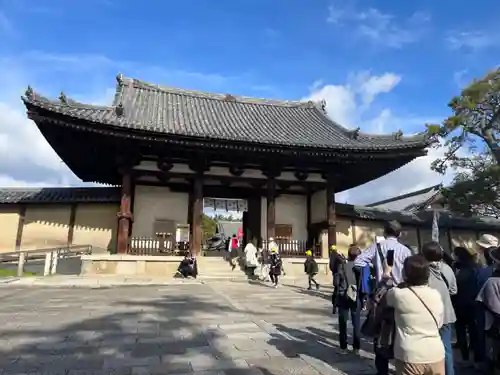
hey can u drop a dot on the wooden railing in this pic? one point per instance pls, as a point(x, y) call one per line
point(293, 248)
point(51, 256)
point(158, 247)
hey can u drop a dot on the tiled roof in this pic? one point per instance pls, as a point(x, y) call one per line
point(60, 195)
point(171, 111)
point(409, 202)
point(112, 195)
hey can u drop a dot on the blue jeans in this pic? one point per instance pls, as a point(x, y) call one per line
point(347, 307)
point(446, 333)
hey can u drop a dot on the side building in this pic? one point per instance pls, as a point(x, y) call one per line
point(58, 217)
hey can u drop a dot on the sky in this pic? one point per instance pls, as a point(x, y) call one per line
point(380, 65)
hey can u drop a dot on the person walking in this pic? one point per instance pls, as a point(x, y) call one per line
point(377, 255)
point(442, 278)
point(275, 267)
point(349, 300)
point(311, 269)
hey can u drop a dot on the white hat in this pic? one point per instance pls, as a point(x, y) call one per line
point(271, 239)
point(487, 241)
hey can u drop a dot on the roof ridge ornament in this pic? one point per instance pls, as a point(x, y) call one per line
point(398, 135)
point(120, 110)
point(120, 80)
point(321, 105)
point(63, 98)
point(229, 98)
point(29, 92)
point(354, 134)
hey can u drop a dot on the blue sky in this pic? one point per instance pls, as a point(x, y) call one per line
point(382, 65)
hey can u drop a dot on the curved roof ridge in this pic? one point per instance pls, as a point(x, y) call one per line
point(365, 135)
point(137, 83)
point(31, 96)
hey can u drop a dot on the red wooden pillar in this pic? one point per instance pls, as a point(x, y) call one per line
point(197, 215)
point(125, 215)
point(271, 207)
point(331, 216)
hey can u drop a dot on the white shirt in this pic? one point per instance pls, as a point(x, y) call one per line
point(417, 336)
point(250, 254)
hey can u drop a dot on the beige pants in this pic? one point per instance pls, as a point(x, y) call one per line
point(406, 368)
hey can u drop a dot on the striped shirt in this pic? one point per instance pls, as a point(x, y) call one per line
point(371, 256)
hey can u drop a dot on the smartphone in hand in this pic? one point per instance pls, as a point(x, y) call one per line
point(390, 258)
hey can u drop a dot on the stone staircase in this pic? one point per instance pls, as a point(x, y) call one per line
point(216, 267)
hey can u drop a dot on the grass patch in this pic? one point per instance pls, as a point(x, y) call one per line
point(6, 272)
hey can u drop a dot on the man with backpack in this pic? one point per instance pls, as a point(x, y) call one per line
point(379, 254)
point(348, 299)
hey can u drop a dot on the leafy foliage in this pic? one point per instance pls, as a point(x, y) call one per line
point(208, 227)
point(474, 127)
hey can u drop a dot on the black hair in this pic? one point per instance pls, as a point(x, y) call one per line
point(416, 270)
point(392, 229)
point(432, 251)
point(353, 252)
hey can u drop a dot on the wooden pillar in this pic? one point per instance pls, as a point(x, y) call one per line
point(419, 240)
point(125, 214)
point(271, 207)
point(331, 216)
point(353, 232)
point(20, 227)
point(310, 241)
point(197, 215)
point(71, 229)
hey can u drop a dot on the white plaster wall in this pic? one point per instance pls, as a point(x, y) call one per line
point(318, 206)
point(222, 171)
point(291, 210)
point(157, 203)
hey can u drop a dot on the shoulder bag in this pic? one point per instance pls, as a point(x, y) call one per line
point(427, 307)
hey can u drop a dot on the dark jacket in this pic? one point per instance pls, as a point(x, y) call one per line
point(275, 264)
point(310, 266)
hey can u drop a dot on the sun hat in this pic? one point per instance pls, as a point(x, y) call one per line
point(486, 241)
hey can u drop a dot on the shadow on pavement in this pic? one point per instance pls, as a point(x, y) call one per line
point(157, 337)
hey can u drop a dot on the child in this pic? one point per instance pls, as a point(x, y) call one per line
point(275, 266)
point(311, 269)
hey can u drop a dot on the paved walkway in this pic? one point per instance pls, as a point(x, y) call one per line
point(231, 328)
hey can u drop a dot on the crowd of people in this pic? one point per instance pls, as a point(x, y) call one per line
point(417, 302)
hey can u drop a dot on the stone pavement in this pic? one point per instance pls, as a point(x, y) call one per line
point(216, 328)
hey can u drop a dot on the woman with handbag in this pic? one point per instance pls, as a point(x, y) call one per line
point(418, 314)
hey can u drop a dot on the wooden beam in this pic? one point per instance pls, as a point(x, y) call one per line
point(271, 207)
point(353, 232)
point(196, 239)
point(71, 228)
point(20, 226)
point(125, 215)
point(330, 211)
point(419, 239)
point(308, 218)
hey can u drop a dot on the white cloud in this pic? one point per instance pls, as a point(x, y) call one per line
point(472, 40)
point(27, 158)
point(378, 27)
point(349, 104)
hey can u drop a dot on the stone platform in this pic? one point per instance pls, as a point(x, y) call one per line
point(216, 328)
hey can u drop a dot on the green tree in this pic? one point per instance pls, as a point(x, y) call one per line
point(471, 139)
point(208, 227)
